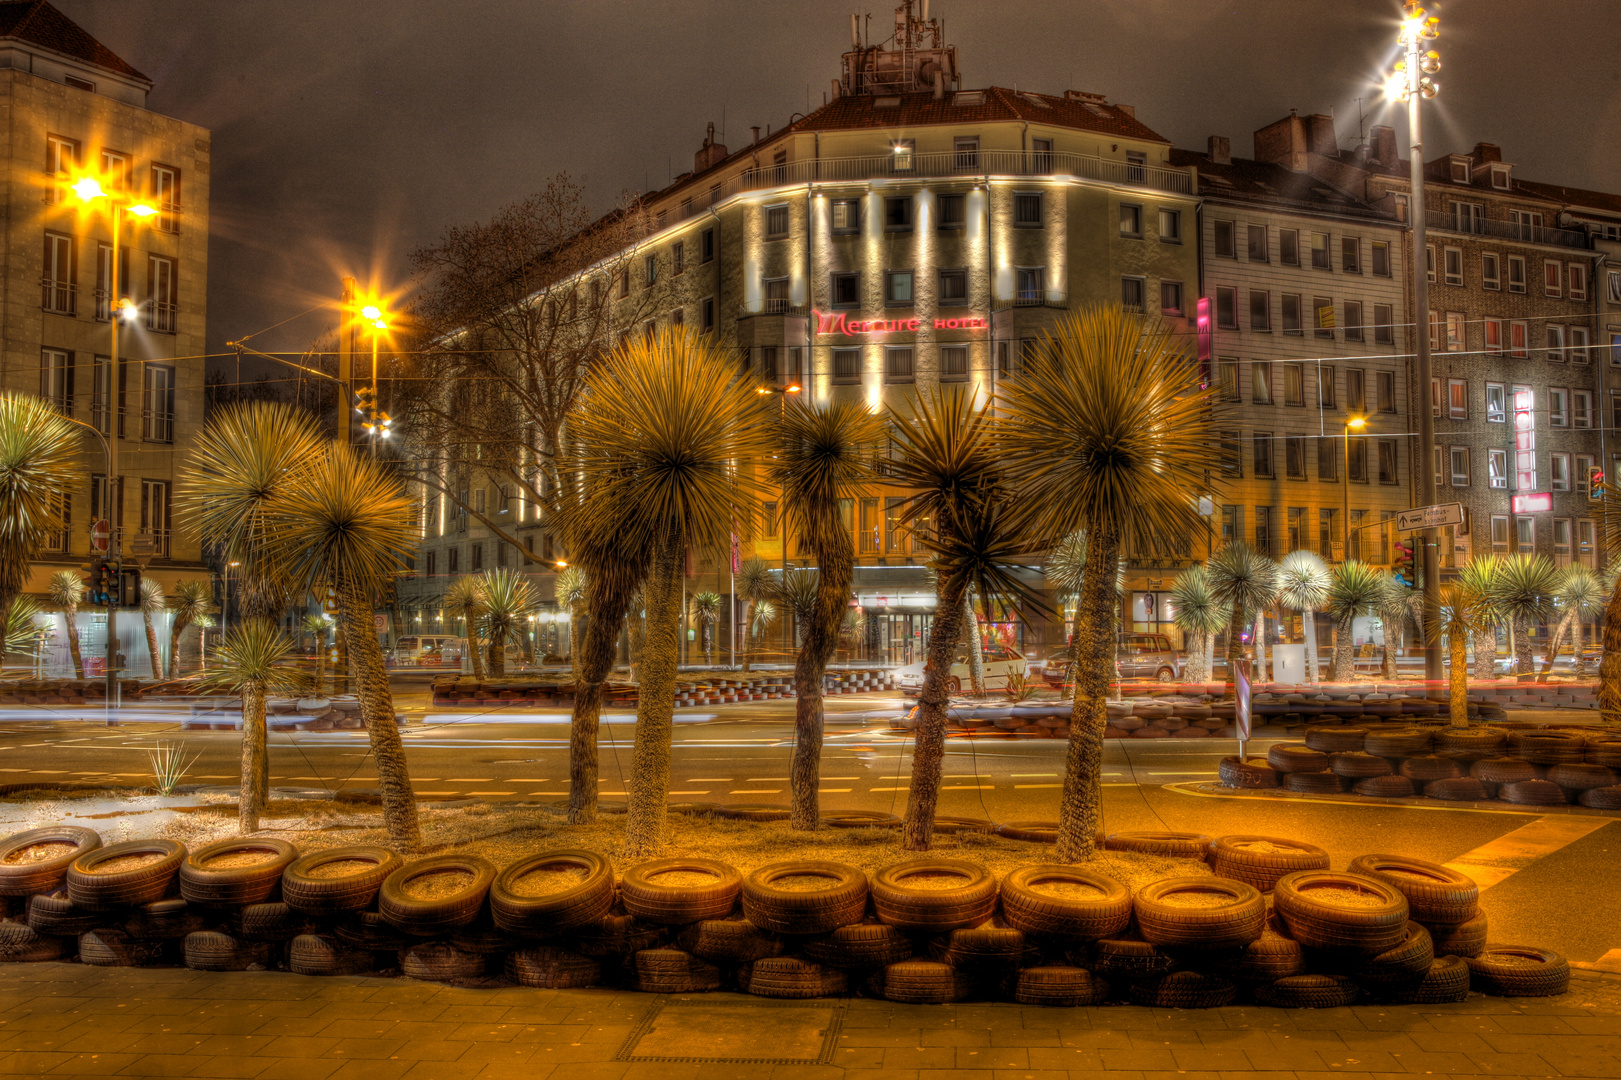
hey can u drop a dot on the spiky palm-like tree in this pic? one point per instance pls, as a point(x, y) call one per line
point(1201, 616)
point(317, 626)
point(255, 661)
point(1245, 581)
point(761, 618)
point(1106, 431)
point(38, 464)
point(1357, 589)
point(568, 590)
point(1580, 592)
point(1463, 608)
point(662, 431)
point(754, 584)
point(66, 590)
point(1303, 586)
point(796, 591)
point(192, 604)
point(508, 599)
point(1395, 607)
point(822, 457)
point(1522, 591)
point(153, 602)
point(464, 600)
point(18, 633)
point(1066, 571)
point(1477, 576)
point(1609, 670)
point(706, 611)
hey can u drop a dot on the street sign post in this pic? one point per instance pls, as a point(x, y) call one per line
point(1430, 517)
point(143, 544)
point(100, 533)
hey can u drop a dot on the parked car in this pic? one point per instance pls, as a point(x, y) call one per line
point(1138, 656)
point(428, 650)
point(999, 664)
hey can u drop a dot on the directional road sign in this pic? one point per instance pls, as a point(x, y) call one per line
point(1429, 517)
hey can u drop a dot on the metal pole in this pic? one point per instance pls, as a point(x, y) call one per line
point(346, 362)
point(113, 488)
point(1345, 503)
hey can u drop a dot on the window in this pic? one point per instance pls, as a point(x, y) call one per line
point(1455, 331)
point(1439, 480)
point(166, 196)
point(1559, 472)
point(1429, 264)
point(706, 314)
point(1131, 220)
point(501, 556)
point(157, 403)
point(1490, 274)
point(847, 213)
point(1294, 384)
point(1263, 530)
point(61, 155)
point(1615, 286)
point(1497, 468)
point(1320, 258)
point(1027, 210)
point(768, 520)
point(1555, 350)
point(1353, 320)
point(1135, 161)
point(1387, 391)
point(1263, 453)
point(453, 559)
point(1500, 179)
point(1356, 390)
point(1381, 258)
point(1224, 243)
point(1030, 284)
point(898, 366)
point(776, 224)
point(1170, 226)
point(898, 288)
point(1457, 399)
point(1436, 324)
point(101, 395)
point(846, 290)
point(477, 561)
point(58, 285)
point(1517, 334)
point(1322, 317)
point(1297, 527)
point(431, 564)
point(1388, 473)
point(1325, 386)
point(901, 155)
point(1460, 171)
point(1500, 536)
point(1289, 247)
point(897, 213)
point(1561, 542)
point(1578, 345)
point(768, 363)
point(56, 378)
point(1496, 403)
point(1131, 293)
point(1357, 468)
point(1493, 329)
point(1467, 217)
point(155, 513)
point(1516, 273)
point(1351, 254)
point(1400, 203)
point(1232, 464)
point(1552, 278)
point(1227, 310)
point(1261, 383)
point(708, 245)
point(1294, 457)
point(1227, 379)
point(1558, 406)
point(1584, 543)
point(161, 308)
point(1258, 250)
point(104, 279)
point(1004, 363)
point(650, 272)
point(846, 365)
point(1289, 308)
point(1454, 266)
point(1435, 396)
point(966, 149)
point(953, 362)
point(1328, 532)
point(1384, 324)
point(1232, 524)
point(951, 211)
point(953, 287)
point(1170, 298)
point(1584, 474)
point(1260, 310)
point(776, 295)
point(1458, 457)
point(678, 257)
point(1328, 461)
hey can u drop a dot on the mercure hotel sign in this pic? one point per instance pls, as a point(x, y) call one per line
point(841, 324)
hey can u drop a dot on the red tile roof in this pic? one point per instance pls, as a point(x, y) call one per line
point(1576, 197)
point(38, 23)
point(854, 111)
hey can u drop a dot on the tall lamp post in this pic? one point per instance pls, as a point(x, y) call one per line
point(782, 527)
point(1413, 81)
point(89, 189)
point(1356, 423)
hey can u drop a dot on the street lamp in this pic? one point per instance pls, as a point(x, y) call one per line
point(1357, 423)
point(376, 422)
point(1413, 81)
point(88, 189)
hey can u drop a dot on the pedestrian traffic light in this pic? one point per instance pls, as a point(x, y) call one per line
point(103, 581)
point(1595, 482)
point(373, 418)
point(1404, 564)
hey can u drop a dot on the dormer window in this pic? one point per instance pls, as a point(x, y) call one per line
point(79, 84)
point(1460, 170)
point(1500, 178)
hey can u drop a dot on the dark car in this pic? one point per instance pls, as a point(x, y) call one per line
point(1137, 656)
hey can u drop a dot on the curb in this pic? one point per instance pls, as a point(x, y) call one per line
point(1210, 789)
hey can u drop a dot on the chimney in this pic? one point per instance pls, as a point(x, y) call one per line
point(1221, 150)
point(710, 153)
point(1129, 110)
point(756, 141)
point(1283, 142)
point(1485, 152)
point(1320, 138)
point(1383, 148)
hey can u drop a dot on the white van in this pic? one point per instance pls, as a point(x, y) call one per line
point(428, 650)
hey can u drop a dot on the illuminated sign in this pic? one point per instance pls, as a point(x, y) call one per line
point(1205, 342)
point(1531, 504)
point(840, 323)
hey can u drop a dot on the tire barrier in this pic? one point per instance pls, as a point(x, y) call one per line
point(925, 931)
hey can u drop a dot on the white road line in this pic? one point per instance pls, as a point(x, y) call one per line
point(1022, 787)
point(832, 790)
point(766, 780)
point(753, 791)
point(1514, 851)
point(968, 787)
point(711, 779)
point(468, 779)
point(1021, 774)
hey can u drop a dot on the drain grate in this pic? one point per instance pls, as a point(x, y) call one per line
point(681, 1030)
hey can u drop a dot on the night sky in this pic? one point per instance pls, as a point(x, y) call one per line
point(347, 133)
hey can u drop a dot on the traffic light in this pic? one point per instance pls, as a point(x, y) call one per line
point(1403, 571)
point(373, 418)
point(129, 586)
point(1595, 482)
point(104, 577)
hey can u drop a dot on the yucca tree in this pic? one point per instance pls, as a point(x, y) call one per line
point(761, 617)
point(1245, 582)
point(706, 610)
point(822, 457)
point(464, 600)
point(960, 511)
point(568, 590)
point(1356, 589)
point(1609, 670)
point(66, 590)
point(18, 633)
point(317, 626)
point(754, 584)
point(1580, 593)
point(976, 645)
point(1065, 570)
point(1522, 591)
point(39, 451)
point(153, 603)
point(191, 604)
point(1477, 576)
point(509, 597)
point(1463, 608)
point(255, 661)
point(1303, 586)
point(1395, 607)
point(664, 428)
point(796, 591)
point(1200, 616)
point(349, 523)
point(1106, 431)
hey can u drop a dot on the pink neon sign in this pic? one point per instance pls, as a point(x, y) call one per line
point(840, 323)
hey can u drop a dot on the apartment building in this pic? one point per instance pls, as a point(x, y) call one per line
point(76, 109)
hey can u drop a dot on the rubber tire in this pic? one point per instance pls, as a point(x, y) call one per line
point(1366, 930)
point(859, 819)
point(1580, 778)
point(933, 910)
point(1296, 757)
point(110, 891)
point(1333, 739)
point(953, 825)
point(1604, 798)
point(370, 931)
point(1443, 896)
point(237, 886)
point(729, 941)
point(552, 913)
point(1447, 980)
point(1309, 992)
point(1270, 957)
point(923, 982)
point(753, 812)
point(862, 945)
point(273, 921)
point(1385, 787)
point(482, 937)
point(337, 895)
point(618, 936)
point(795, 911)
point(677, 905)
point(1249, 775)
point(212, 950)
point(984, 951)
point(1469, 740)
point(442, 962)
point(1060, 985)
point(1533, 793)
point(791, 977)
point(673, 971)
point(324, 954)
point(1185, 990)
point(1405, 963)
point(1318, 783)
point(549, 968)
point(1464, 939)
point(111, 947)
point(26, 879)
point(1036, 832)
point(169, 919)
point(1428, 767)
point(1503, 770)
point(1548, 747)
point(1490, 974)
point(55, 915)
point(1233, 924)
point(19, 944)
point(1130, 959)
point(1358, 765)
point(1463, 789)
point(427, 918)
point(1065, 917)
point(1233, 857)
point(1173, 845)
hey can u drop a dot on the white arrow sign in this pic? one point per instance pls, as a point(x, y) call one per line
point(1429, 517)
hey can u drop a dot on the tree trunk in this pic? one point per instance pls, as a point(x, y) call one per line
point(70, 617)
point(1344, 653)
point(1308, 624)
point(1458, 678)
point(577, 629)
point(498, 652)
point(341, 669)
point(154, 651)
point(976, 647)
point(1524, 665)
point(820, 640)
point(593, 655)
point(1235, 649)
point(1486, 653)
point(526, 642)
point(1387, 667)
point(252, 796)
point(1557, 640)
point(177, 628)
point(1258, 642)
point(471, 642)
point(1080, 813)
point(1609, 665)
point(655, 702)
point(320, 663)
point(748, 632)
point(929, 739)
point(377, 711)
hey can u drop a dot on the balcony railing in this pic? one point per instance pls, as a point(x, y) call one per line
point(1509, 230)
point(160, 317)
point(1053, 298)
point(769, 306)
point(61, 297)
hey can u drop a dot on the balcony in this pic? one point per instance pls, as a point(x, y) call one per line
point(1035, 298)
point(61, 297)
point(160, 318)
point(1510, 230)
point(773, 305)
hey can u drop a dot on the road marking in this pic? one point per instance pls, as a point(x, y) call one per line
point(613, 793)
point(1514, 851)
point(766, 780)
point(492, 793)
point(1020, 774)
point(414, 792)
point(832, 790)
point(468, 779)
point(528, 780)
point(711, 779)
point(902, 788)
point(756, 791)
point(689, 792)
point(47, 772)
point(968, 787)
point(841, 778)
point(1022, 787)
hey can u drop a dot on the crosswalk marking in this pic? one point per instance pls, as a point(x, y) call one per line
point(1514, 851)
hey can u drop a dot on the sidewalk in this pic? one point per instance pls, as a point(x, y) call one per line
point(69, 1020)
